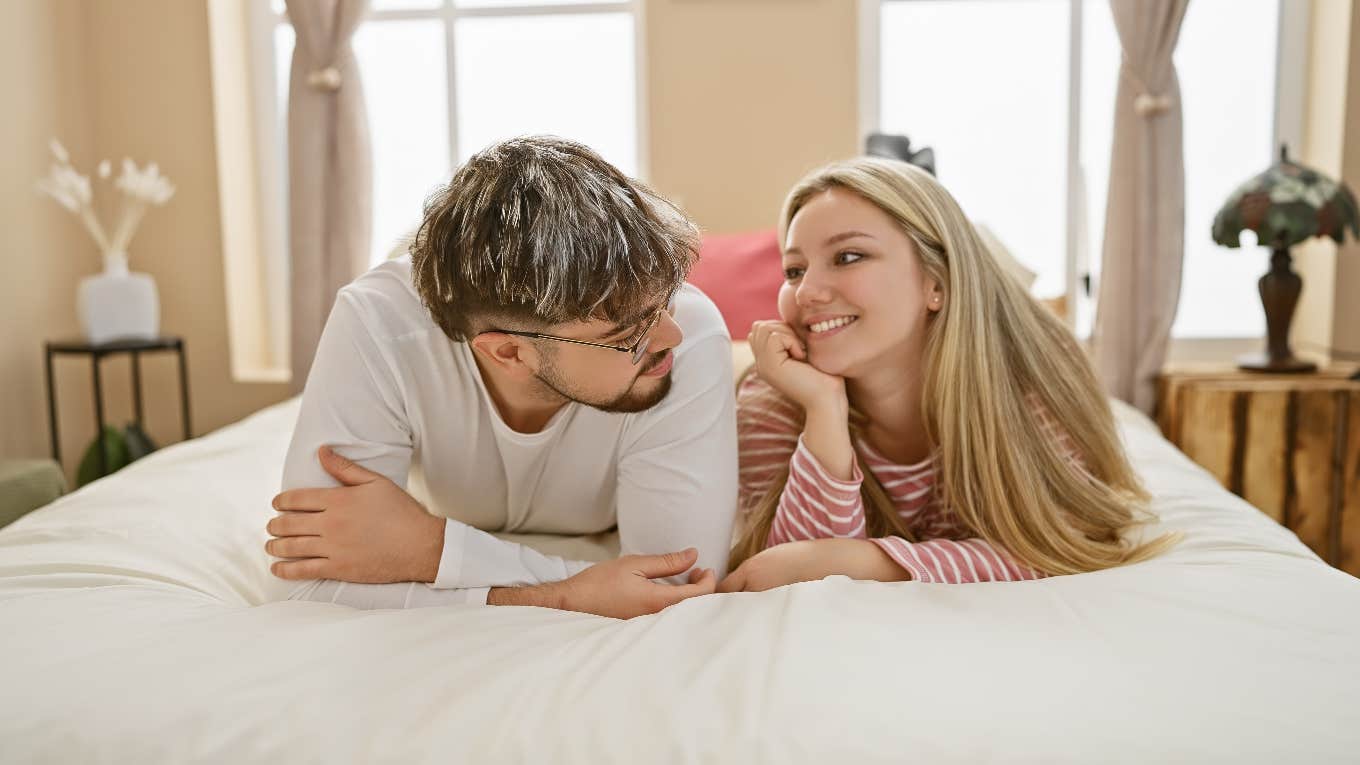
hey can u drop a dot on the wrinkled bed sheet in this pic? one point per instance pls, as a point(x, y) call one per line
point(137, 624)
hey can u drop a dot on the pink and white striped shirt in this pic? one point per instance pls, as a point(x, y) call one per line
point(816, 505)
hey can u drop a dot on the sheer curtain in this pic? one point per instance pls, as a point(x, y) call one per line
point(1145, 212)
point(330, 172)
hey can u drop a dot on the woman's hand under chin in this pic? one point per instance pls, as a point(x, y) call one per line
point(782, 361)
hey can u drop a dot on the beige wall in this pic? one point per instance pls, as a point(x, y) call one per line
point(121, 78)
point(759, 91)
point(1332, 94)
point(745, 97)
point(43, 86)
point(1346, 287)
point(151, 90)
point(1328, 316)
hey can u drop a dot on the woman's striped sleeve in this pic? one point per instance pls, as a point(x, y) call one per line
point(816, 505)
point(950, 561)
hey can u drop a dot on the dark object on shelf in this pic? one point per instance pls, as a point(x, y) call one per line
point(1284, 205)
point(103, 456)
point(139, 444)
point(118, 448)
point(111, 453)
point(897, 146)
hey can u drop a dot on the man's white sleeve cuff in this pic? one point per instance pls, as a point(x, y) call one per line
point(451, 558)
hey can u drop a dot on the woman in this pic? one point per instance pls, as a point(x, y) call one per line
point(916, 415)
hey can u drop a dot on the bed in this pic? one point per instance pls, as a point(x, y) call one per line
point(137, 624)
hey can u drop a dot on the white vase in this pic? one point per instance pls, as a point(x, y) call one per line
point(117, 305)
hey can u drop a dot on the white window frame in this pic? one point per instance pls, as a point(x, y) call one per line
point(271, 156)
point(1290, 80)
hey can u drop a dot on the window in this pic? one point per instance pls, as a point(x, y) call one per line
point(1017, 99)
point(445, 78)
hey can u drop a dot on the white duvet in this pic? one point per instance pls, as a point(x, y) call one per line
point(135, 627)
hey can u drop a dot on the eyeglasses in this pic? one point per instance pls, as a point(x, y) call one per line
point(637, 350)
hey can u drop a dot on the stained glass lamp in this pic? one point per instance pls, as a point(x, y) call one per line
point(1284, 205)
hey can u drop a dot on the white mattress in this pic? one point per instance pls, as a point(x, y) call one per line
point(135, 627)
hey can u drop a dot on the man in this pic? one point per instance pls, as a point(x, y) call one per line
point(536, 365)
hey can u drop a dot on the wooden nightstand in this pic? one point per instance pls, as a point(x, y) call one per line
point(1288, 444)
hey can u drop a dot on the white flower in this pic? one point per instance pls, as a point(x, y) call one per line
point(146, 185)
point(76, 184)
point(127, 177)
point(141, 187)
point(52, 188)
point(69, 188)
point(164, 191)
point(130, 182)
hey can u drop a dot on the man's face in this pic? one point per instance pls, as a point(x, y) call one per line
point(607, 379)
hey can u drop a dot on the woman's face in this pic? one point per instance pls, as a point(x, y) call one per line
point(854, 290)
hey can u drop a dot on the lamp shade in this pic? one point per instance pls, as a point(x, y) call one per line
point(1285, 205)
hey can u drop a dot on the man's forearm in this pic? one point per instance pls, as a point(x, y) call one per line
point(426, 559)
point(542, 595)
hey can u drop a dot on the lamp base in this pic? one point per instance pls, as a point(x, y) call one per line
point(1280, 289)
point(1260, 362)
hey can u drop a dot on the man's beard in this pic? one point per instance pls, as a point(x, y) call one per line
point(628, 402)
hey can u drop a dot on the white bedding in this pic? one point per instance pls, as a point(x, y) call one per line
point(135, 627)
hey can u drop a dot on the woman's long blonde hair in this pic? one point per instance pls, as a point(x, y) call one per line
point(993, 355)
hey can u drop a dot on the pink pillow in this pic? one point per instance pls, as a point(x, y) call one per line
point(741, 274)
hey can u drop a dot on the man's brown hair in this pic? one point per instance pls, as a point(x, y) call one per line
point(540, 230)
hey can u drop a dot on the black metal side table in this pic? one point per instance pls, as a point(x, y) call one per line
point(97, 352)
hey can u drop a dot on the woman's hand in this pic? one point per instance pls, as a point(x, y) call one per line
point(781, 361)
point(813, 559)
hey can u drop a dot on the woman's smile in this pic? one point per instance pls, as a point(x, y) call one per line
point(822, 327)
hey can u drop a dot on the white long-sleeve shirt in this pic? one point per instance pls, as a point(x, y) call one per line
point(389, 390)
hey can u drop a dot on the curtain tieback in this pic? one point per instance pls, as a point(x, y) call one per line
point(1151, 105)
point(326, 79)
point(1146, 104)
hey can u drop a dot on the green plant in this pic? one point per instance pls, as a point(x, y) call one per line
point(121, 448)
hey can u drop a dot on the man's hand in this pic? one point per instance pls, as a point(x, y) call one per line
point(620, 588)
point(812, 559)
point(367, 530)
